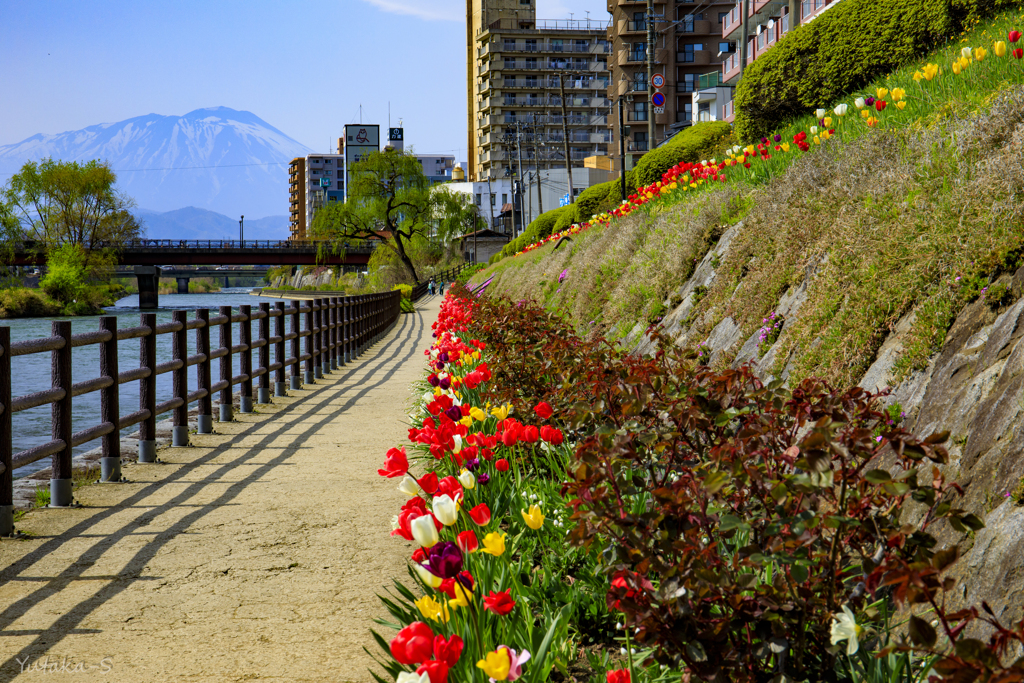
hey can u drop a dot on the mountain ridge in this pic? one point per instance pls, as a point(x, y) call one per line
point(195, 223)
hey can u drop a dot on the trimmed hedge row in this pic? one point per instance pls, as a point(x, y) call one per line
point(840, 51)
point(690, 145)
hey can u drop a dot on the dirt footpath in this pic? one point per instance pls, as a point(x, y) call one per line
point(253, 555)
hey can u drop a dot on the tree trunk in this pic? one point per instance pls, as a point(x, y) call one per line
point(405, 258)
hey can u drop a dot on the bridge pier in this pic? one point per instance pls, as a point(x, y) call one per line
point(149, 280)
point(183, 285)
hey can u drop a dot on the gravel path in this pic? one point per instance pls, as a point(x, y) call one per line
point(253, 555)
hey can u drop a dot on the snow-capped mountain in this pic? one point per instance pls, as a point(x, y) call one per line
point(219, 159)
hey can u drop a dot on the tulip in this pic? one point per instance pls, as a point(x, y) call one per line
point(428, 482)
point(436, 672)
point(814, 130)
point(423, 531)
point(880, 105)
point(543, 410)
point(467, 541)
point(501, 412)
point(964, 63)
point(980, 53)
point(1018, 53)
point(515, 669)
point(499, 603)
point(931, 71)
point(617, 676)
point(501, 464)
point(396, 464)
point(918, 76)
point(859, 103)
point(534, 518)
point(448, 651)
point(898, 94)
point(409, 487)
point(496, 664)
point(477, 414)
point(881, 92)
point(408, 677)
point(819, 113)
point(462, 596)
point(481, 514)
point(999, 48)
point(865, 113)
point(432, 609)
point(445, 560)
point(1014, 36)
point(425, 575)
point(494, 544)
point(414, 644)
point(966, 53)
point(445, 509)
point(468, 480)
point(827, 121)
point(901, 105)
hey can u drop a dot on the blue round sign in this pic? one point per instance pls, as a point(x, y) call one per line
point(658, 100)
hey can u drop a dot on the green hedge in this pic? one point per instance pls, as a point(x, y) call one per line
point(692, 144)
point(840, 51)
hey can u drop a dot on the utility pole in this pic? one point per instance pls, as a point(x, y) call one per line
point(519, 149)
point(241, 230)
point(490, 202)
point(650, 74)
point(746, 36)
point(529, 196)
point(565, 138)
point(540, 199)
point(622, 149)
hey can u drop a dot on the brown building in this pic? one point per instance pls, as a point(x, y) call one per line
point(688, 49)
point(514, 65)
point(297, 198)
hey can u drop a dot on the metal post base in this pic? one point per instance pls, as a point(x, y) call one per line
point(318, 371)
point(110, 469)
point(245, 404)
point(296, 382)
point(263, 395)
point(179, 436)
point(280, 388)
point(226, 414)
point(60, 493)
point(204, 424)
point(147, 451)
point(334, 364)
point(327, 368)
point(309, 377)
point(6, 520)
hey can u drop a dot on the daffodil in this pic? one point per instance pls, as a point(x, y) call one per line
point(845, 627)
point(493, 543)
point(534, 518)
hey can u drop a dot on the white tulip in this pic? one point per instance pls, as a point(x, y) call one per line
point(819, 113)
point(967, 52)
point(408, 486)
point(458, 443)
point(840, 110)
point(425, 575)
point(814, 130)
point(424, 531)
point(468, 480)
point(445, 509)
point(859, 102)
point(409, 677)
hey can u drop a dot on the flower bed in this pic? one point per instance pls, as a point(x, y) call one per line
point(664, 519)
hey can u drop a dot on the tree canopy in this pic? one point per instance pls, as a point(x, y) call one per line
point(60, 203)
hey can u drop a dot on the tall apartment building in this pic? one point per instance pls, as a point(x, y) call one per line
point(514, 65)
point(688, 45)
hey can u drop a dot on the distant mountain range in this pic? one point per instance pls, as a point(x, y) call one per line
point(192, 223)
point(218, 159)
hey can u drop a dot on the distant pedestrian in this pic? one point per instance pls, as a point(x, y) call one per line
point(441, 285)
point(430, 287)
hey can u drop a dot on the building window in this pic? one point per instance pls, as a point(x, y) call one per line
point(492, 199)
point(328, 172)
point(723, 17)
point(504, 199)
point(556, 44)
point(531, 62)
point(531, 45)
point(329, 161)
point(478, 200)
point(509, 44)
point(340, 186)
point(760, 39)
point(686, 54)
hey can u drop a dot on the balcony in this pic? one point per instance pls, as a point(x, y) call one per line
point(637, 116)
point(709, 80)
point(627, 27)
point(517, 65)
point(640, 146)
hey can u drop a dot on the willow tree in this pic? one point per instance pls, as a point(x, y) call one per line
point(389, 200)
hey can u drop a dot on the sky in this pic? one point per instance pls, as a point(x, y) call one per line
point(303, 67)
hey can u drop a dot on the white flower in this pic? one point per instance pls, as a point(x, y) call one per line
point(394, 522)
point(814, 130)
point(966, 52)
point(408, 486)
point(428, 396)
point(424, 531)
point(445, 509)
point(819, 113)
point(840, 109)
point(467, 479)
point(458, 443)
point(844, 627)
point(409, 677)
point(623, 651)
point(859, 102)
point(425, 575)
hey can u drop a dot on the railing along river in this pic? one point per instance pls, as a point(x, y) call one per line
point(336, 330)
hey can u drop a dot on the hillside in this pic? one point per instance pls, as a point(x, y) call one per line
point(218, 159)
point(890, 254)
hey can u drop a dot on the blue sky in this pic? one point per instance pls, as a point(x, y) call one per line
point(304, 67)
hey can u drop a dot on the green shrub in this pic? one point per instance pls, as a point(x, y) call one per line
point(26, 303)
point(837, 53)
point(66, 271)
point(692, 144)
point(406, 291)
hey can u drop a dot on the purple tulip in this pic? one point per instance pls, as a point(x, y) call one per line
point(444, 383)
point(443, 356)
point(483, 479)
point(472, 464)
point(454, 413)
point(432, 380)
point(445, 560)
point(778, 138)
point(764, 141)
point(869, 101)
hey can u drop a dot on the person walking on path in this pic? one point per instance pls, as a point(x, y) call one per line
point(441, 284)
point(430, 287)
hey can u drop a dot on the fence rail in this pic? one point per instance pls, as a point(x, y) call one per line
point(325, 333)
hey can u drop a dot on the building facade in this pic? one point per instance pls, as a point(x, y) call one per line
point(688, 46)
point(518, 68)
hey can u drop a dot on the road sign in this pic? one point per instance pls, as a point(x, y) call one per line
point(659, 110)
point(325, 182)
point(658, 100)
point(658, 80)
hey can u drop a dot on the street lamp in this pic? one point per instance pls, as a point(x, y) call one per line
point(241, 230)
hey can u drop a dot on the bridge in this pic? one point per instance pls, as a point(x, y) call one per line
point(151, 257)
point(184, 275)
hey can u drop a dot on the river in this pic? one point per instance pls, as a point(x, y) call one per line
point(32, 373)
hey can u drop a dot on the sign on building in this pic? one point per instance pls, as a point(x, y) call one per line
point(564, 200)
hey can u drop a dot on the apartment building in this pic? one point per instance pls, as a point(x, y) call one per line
point(767, 22)
point(688, 46)
point(517, 68)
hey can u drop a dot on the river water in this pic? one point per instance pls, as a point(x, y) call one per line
point(32, 373)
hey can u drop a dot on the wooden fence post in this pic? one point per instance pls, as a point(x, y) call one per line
point(225, 366)
point(317, 337)
point(6, 437)
point(110, 403)
point(147, 390)
point(279, 357)
point(325, 335)
point(204, 376)
point(309, 344)
point(346, 329)
point(296, 378)
point(60, 416)
point(332, 338)
point(245, 361)
point(179, 380)
point(263, 394)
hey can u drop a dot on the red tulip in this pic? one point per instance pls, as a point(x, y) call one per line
point(880, 105)
point(1014, 36)
point(414, 644)
point(531, 434)
point(447, 651)
point(437, 671)
point(467, 541)
point(500, 603)
point(428, 482)
point(551, 435)
point(619, 676)
point(1018, 53)
point(395, 463)
point(448, 585)
point(543, 410)
point(449, 486)
point(501, 464)
point(481, 514)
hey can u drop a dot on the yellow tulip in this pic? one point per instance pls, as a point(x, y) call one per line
point(980, 53)
point(785, 146)
point(496, 665)
point(931, 71)
point(901, 105)
point(880, 93)
point(999, 48)
point(462, 596)
point(432, 609)
point(477, 414)
point(501, 412)
point(964, 63)
point(467, 420)
point(898, 94)
point(828, 121)
point(865, 113)
point(817, 140)
point(494, 544)
point(918, 76)
point(534, 518)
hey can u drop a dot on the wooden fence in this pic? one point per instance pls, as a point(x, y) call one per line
point(335, 330)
